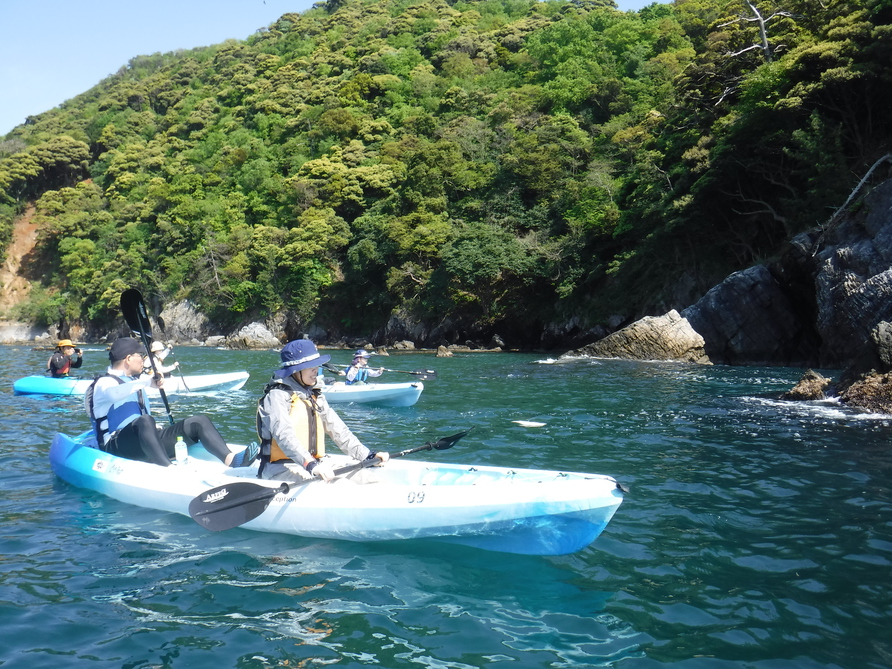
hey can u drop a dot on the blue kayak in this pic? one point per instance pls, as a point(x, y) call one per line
point(513, 510)
point(381, 394)
point(46, 385)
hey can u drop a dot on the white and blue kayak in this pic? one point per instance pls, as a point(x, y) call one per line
point(199, 383)
point(524, 511)
point(381, 394)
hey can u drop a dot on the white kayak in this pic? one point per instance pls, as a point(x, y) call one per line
point(199, 383)
point(510, 510)
point(382, 394)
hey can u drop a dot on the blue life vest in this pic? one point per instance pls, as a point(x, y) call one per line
point(362, 373)
point(119, 413)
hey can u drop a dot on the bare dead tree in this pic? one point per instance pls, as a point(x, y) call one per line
point(756, 17)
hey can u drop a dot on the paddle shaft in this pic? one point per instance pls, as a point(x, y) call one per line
point(182, 376)
point(367, 463)
point(134, 310)
point(418, 372)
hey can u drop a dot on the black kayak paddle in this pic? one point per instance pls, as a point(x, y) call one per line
point(134, 310)
point(425, 374)
point(234, 504)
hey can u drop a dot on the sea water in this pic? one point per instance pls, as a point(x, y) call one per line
point(756, 534)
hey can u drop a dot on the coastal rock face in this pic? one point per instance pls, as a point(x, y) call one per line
point(854, 279)
point(254, 336)
point(881, 336)
point(749, 318)
point(181, 322)
point(818, 304)
point(667, 337)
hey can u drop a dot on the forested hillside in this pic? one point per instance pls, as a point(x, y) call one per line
point(507, 164)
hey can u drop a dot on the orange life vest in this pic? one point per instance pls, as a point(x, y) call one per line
point(306, 421)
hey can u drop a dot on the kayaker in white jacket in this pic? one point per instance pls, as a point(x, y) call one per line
point(159, 352)
point(293, 418)
point(118, 407)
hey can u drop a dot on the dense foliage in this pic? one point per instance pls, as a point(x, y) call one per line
point(503, 163)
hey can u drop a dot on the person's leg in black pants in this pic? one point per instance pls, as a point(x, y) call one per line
point(139, 441)
point(194, 429)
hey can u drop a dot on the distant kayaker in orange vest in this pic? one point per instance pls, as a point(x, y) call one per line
point(60, 363)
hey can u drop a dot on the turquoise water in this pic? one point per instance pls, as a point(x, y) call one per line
point(757, 534)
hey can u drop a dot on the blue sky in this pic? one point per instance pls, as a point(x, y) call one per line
point(52, 50)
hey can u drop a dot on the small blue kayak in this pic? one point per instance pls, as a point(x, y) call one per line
point(46, 385)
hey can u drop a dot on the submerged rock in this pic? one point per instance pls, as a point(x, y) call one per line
point(871, 393)
point(810, 387)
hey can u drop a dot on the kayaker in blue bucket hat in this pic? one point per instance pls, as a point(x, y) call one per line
point(359, 369)
point(293, 418)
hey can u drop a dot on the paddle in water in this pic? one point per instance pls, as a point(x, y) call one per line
point(234, 504)
point(134, 310)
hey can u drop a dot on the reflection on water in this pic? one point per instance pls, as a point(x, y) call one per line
point(758, 533)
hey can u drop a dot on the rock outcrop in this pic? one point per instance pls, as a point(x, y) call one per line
point(668, 337)
point(853, 279)
point(872, 393)
point(751, 319)
point(253, 336)
point(810, 387)
point(181, 322)
point(817, 304)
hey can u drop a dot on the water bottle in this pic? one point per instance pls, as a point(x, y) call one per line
point(181, 451)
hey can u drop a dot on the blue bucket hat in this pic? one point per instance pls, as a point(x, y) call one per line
point(297, 355)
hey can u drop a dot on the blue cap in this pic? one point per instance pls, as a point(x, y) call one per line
point(297, 355)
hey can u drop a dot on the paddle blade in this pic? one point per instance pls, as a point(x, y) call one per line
point(134, 310)
point(425, 374)
point(448, 442)
point(231, 505)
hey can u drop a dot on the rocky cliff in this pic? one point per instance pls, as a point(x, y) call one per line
point(815, 305)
